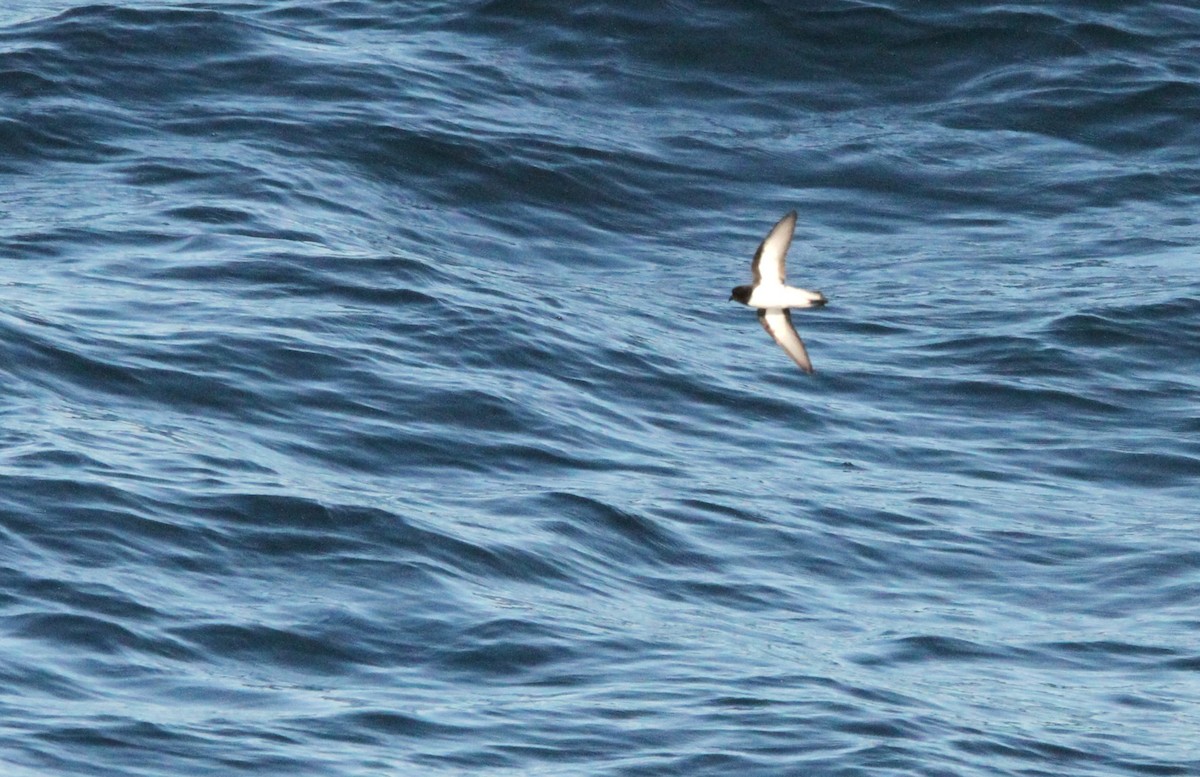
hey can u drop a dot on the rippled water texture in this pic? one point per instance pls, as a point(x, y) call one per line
point(371, 403)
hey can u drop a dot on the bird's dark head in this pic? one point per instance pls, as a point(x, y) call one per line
point(742, 294)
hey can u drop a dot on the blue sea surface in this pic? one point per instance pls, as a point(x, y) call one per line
point(371, 401)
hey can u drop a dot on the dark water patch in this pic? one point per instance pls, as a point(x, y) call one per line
point(55, 459)
point(99, 600)
point(1026, 750)
point(132, 55)
point(291, 274)
point(1131, 467)
point(21, 76)
point(1137, 578)
point(94, 635)
point(1133, 700)
point(1188, 664)
point(1045, 549)
point(139, 34)
point(837, 545)
point(63, 241)
point(361, 15)
point(282, 528)
point(618, 534)
point(80, 362)
point(379, 727)
point(506, 650)
point(143, 748)
point(938, 649)
point(473, 409)
point(211, 215)
point(57, 135)
point(57, 683)
point(1154, 116)
point(1104, 654)
point(1016, 396)
point(1024, 356)
point(1173, 325)
point(95, 523)
point(160, 173)
point(312, 652)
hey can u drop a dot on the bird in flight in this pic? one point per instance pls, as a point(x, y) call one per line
point(773, 297)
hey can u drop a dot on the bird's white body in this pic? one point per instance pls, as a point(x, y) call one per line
point(777, 295)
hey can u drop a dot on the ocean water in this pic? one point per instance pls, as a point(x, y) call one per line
point(371, 403)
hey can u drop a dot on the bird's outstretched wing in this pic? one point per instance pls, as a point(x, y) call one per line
point(768, 264)
point(778, 323)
